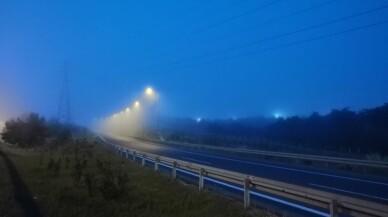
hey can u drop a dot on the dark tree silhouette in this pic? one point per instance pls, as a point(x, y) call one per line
point(342, 130)
point(60, 132)
point(27, 131)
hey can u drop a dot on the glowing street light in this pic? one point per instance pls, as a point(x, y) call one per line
point(153, 96)
point(149, 96)
point(149, 91)
point(277, 115)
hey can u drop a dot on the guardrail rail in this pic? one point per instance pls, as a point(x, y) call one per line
point(334, 204)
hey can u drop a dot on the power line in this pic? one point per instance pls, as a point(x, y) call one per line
point(228, 6)
point(279, 46)
point(273, 37)
point(251, 27)
point(261, 7)
point(273, 20)
point(211, 26)
point(288, 44)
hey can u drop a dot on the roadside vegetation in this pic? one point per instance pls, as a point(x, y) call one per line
point(341, 133)
point(83, 179)
point(68, 176)
point(8, 203)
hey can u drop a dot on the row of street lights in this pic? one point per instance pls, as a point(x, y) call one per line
point(122, 119)
point(149, 93)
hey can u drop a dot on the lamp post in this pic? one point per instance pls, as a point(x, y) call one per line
point(151, 93)
point(157, 112)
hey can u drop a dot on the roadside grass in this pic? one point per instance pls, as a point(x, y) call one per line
point(8, 205)
point(84, 179)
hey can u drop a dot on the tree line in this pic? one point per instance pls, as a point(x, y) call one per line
point(364, 131)
point(31, 130)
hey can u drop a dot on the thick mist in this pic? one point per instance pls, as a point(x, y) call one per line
point(10, 106)
point(134, 120)
point(219, 61)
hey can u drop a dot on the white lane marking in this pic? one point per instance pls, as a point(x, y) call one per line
point(191, 159)
point(266, 165)
point(351, 192)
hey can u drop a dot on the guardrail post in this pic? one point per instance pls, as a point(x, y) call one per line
point(173, 175)
point(134, 156)
point(127, 153)
point(201, 178)
point(246, 192)
point(333, 208)
point(157, 160)
point(143, 160)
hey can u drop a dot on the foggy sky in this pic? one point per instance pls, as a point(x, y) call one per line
point(117, 48)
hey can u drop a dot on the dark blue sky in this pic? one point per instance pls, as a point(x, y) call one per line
point(215, 58)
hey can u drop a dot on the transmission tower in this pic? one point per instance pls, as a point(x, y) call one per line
point(64, 113)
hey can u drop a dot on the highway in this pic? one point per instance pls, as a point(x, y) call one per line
point(359, 186)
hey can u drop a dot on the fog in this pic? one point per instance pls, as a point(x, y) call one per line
point(139, 116)
point(210, 59)
point(10, 106)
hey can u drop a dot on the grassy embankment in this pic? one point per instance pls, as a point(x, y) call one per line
point(84, 179)
point(8, 205)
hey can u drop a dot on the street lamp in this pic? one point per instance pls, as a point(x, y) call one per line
point(152, 95)
point(149, 91)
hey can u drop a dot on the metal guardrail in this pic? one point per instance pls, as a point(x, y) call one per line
point(335, 204)
point(347, 161)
